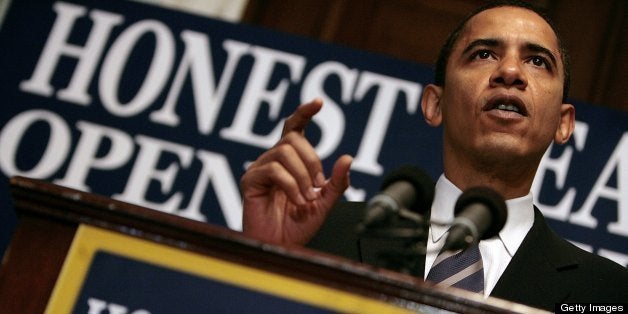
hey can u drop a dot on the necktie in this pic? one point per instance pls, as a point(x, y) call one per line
point(461, 269)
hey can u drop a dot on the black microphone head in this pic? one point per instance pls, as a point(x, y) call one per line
point(420, 181)
point(493, 201)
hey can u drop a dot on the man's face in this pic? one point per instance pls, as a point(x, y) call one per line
point(503, 90)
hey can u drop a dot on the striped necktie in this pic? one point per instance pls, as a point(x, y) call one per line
point(460, 269)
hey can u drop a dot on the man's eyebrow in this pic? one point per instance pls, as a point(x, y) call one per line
point(486, 42)
point(492, 42)
point(540, 49)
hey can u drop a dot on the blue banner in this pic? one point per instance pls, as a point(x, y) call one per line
point(165, 109)
point(134, 288)
point(108, 272)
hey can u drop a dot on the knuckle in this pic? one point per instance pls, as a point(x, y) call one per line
point(291, 137)
point(284, 149)
point(274, 167)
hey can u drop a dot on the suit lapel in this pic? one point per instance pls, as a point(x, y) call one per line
point(536, 274)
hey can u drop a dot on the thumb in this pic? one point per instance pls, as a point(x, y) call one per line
point(339, 180)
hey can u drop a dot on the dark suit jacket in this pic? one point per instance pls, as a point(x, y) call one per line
point(545, 270)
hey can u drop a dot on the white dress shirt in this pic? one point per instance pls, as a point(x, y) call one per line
point(496, 251)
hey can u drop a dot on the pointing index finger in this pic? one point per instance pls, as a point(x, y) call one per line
point(302, 116)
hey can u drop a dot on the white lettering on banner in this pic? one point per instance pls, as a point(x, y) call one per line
point(208, 97)
point(617, 163)
point(197, 61)
point(215, 170)
point(331, 119)
point(215, 167)
point(373, 137)
point(155, 79)
point(145, 171)
point(256, 93)
point(57, 46)
point(97, 306)
point(84, 158)
point(560, 167)
point(57, 148)
point(620, 258)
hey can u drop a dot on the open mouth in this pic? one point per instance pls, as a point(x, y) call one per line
point(510, 103)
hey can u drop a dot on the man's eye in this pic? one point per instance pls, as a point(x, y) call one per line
point(482, 54)
point(539, 62)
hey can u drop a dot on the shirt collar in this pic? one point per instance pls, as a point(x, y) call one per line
point(519, 221)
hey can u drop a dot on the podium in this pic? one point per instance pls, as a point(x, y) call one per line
point(74, 251)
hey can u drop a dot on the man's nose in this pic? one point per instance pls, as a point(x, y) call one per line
point(509, 73)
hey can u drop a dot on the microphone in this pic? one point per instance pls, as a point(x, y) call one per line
point(406, 188)
point(480, 214)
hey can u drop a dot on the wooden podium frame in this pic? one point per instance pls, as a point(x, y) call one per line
point(50, 215)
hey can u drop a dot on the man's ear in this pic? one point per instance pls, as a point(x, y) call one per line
point(566, 124)
point(431, 106)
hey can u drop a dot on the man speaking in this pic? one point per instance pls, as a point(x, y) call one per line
point(500, 95)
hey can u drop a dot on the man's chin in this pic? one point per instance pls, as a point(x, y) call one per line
point(504, 151)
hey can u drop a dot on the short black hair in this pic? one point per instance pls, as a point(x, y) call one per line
point(445, 52)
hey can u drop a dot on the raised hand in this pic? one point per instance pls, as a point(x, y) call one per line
point(286, 195)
